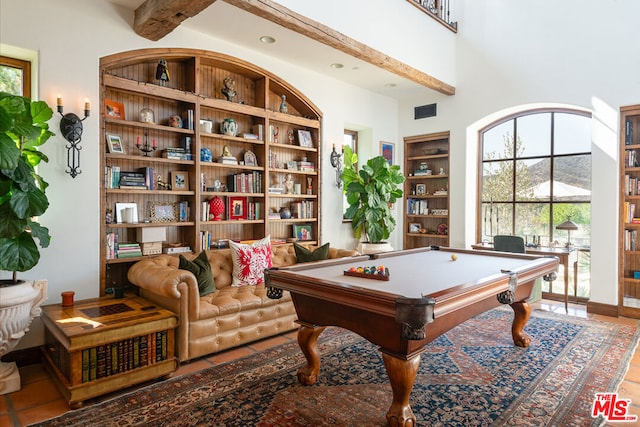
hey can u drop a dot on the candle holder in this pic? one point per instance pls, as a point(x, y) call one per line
point(146, 148)
point(71, 128)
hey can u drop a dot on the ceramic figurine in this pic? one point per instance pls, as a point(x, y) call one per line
point(229, 127)
point(283, 104)
point(162, 72)
point(229, 89)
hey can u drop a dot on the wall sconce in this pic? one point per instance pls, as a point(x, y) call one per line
point(337, 164)
point(71, 128)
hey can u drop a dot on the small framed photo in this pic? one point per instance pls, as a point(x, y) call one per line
point(162, 212)
point(250, 158)
point(179, 181)
point(114, 142)
point(414, 227)
point(113, 109)
point(292, 165)
point(421, 189)
point(237, 208)
point(126, 213)
point(302, 232)
point(387, 150)
point(304, 138)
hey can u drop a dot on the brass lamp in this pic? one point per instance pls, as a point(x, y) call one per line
point(567, 225)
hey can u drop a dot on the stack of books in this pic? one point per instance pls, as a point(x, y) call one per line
point(175, 153)
point(307, 166)
point(175, 248)
point(128, 250)
point(133, 180)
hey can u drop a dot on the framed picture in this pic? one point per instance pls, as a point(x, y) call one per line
point(179, 181)
point(421, 189)
point(302, 232)
point(114, 142)
point(292, 165)
point(162, 212)
point(387, 150)
point(414, 227)
point(250, 159)
point(113, 109)
point(126, 213)
point(237, 208)
point(304, 138)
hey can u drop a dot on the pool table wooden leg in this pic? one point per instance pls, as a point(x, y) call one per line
point(308, 341)
point(522, 311)
point(402, 374)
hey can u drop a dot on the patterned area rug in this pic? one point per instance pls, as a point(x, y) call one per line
point(471, 376)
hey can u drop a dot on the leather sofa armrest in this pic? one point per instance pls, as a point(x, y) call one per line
point(160, 276)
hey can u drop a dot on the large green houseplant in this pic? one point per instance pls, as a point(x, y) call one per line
point(23, 128)
point(371, 191)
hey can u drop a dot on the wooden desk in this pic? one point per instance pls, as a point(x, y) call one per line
point(563, 256)
point(104, 344)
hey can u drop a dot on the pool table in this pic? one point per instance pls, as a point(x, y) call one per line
point(428, 293)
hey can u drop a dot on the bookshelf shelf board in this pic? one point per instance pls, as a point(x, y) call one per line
point(294, 147)
point(429, 157)
point(119, 157)
point(295, 171)
point(232, 138)
point(436, 236)
point(415, 177)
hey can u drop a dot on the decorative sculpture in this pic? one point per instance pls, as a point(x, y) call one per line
point(229, 89)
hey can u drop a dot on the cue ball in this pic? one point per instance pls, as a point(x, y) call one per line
point(454, 257)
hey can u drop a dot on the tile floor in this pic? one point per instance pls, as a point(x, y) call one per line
point(39, 399)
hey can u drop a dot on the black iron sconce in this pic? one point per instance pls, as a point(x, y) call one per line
point(337, 164)
point(71, 128)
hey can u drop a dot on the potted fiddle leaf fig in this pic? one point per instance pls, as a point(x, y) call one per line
point(371, 192)
point(23, 128)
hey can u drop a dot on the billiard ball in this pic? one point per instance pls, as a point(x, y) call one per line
point(454, 257)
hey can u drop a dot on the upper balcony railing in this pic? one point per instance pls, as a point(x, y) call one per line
point(440, 10)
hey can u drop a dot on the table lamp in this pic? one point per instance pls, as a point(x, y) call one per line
point(567, 225)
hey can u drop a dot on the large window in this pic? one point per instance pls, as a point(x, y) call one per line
point(536, 174)
point(350, 140)
point(15, 76)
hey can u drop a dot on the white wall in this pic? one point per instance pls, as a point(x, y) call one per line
point(512, 54)
point(70, 37)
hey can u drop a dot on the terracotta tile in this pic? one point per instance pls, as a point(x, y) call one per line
point(33, 373)
point(194, 366)
point(630, 390)
point(633, 374)
point(229, 355)
point(43, 412)
point(4, 407)
point(269, 343)
point(34, 394)
point(5, 420)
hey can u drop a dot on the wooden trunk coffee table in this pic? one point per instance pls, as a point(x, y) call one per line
point(101, 345)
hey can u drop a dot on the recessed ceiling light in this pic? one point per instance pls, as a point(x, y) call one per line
point(390, 85)
point(336, 65)
point(267, 39)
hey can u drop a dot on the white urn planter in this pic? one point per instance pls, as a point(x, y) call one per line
point(367, 248)
point(19, 304)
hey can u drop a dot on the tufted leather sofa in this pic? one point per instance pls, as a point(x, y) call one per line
point(229, 317)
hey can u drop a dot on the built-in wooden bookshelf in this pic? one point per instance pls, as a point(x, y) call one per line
point(426, 189)
point(271, 144)
point(629, 213)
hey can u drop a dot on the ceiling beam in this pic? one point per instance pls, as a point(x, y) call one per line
point(287, 18)
point(154, 19)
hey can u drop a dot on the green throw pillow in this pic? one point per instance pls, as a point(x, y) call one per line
point(305, 255)
point(200, 268)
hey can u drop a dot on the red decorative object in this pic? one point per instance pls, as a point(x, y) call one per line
point(216, 208)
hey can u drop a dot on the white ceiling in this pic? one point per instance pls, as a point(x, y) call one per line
point(227, 22)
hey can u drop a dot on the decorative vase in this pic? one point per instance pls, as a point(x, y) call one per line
point(285, 213)
point(216, 208)
point(19, 304)
point(205, 155)
point(229, 127)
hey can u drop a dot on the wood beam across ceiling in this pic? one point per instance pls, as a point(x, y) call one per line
point(154, 19)
point(287, 18)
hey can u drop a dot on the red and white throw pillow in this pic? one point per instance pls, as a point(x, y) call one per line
point(250, 261)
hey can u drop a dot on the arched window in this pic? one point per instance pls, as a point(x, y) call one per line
point(535, 173)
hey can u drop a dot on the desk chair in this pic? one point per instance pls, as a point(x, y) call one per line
point(515, 244)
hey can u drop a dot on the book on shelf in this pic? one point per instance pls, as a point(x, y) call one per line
point(176, 249)
point(187, 119)
point(628, 131)
point(249, 135)
point(259, 131)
